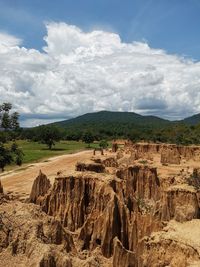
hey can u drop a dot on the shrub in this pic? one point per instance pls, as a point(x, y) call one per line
point(194, 179)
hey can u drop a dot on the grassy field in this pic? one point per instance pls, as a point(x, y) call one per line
point(35, 152)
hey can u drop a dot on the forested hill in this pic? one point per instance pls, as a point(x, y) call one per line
point(193, 120)
point(113, 117)
point(108, 124)
point(116, 117)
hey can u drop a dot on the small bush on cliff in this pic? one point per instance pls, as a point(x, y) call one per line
point(143, 207)
point(194, 179)
point(143, 162)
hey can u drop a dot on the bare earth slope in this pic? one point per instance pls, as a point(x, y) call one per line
point(137, 207)
point(21, 181)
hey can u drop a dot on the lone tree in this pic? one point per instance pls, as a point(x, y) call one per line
point(88, 138)
point(9, 123)
point(103, 144)
point(49, 135)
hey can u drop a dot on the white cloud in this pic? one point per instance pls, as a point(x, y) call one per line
point(81, 72)
point(9, 40)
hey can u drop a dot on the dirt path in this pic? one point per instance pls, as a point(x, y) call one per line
point(20, 181)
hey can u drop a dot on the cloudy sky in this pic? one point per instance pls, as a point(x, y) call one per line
point(59, 60)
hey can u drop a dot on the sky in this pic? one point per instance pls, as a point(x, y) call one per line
point(60, 59)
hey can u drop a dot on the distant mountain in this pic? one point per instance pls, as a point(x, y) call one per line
point(105, 118)
point(193, 120)
point(112, 124)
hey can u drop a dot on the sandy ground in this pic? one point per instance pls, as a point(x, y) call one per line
point(20, 181)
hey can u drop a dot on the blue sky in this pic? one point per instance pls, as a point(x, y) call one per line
point(172, 25)
point(60, 59)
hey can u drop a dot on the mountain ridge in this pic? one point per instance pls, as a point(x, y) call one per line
point(113, 116)
point(124, 117)
point(192, 120)
point(111, 125)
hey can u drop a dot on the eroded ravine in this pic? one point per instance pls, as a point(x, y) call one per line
point(131, 208)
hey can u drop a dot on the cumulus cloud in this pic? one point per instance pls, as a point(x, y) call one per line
point(80, 72)
point(9, 40)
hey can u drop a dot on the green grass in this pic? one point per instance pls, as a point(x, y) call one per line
point(36, 152)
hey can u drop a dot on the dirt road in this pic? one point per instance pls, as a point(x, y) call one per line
point(20, 181)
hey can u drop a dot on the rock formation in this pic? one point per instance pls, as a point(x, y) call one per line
point(194, 178)
point(123, 257)
point(71, 199)
point(28, 237)
point(170, 156)
point(110, 162)
point(90, 166)
point(180, 203)
point(40, 187)
point(145, 149)
point(176, 245)
point(114, 147)
point(1, 188)
point(138, 215)
point(98, 149)
point(105, 207)
point(189, 152)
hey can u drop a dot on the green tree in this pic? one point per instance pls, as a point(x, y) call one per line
point(103, 144)
point(6, 107)
point(88, 138)
point(5, 116)
point(3, 137)
point(8, 121)
point(6, 157)
point(49, 135)
point(5, 121)
point(10, 124)
point(10, 155)
point(134, 135)
point(17, 154)
point(14, 121)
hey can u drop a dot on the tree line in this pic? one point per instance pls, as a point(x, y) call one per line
point(177, 133)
